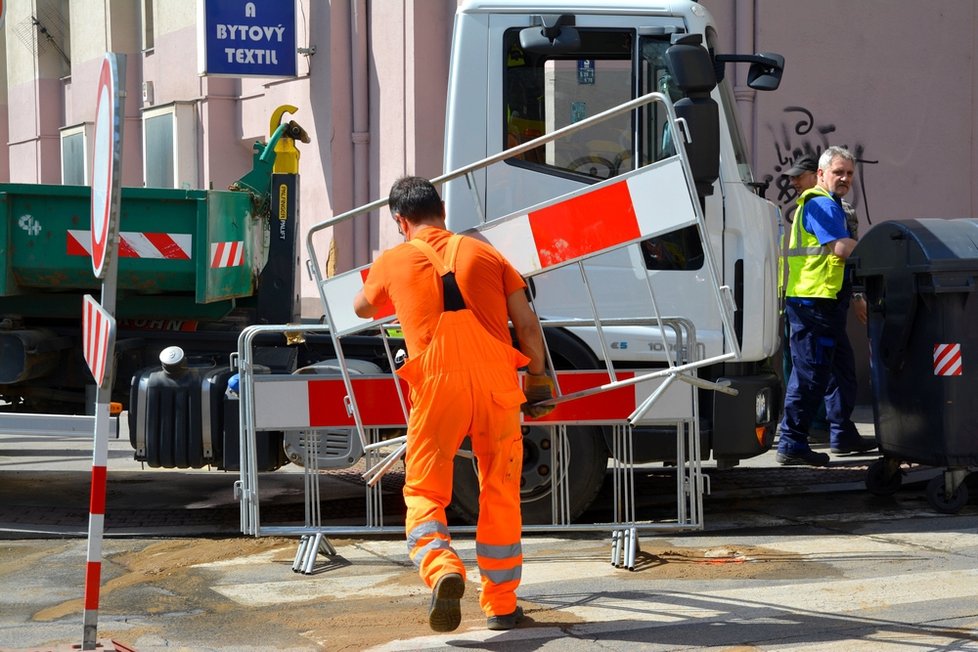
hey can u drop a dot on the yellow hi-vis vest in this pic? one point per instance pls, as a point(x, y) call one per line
point(813, 270)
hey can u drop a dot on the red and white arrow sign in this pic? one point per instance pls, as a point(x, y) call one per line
point(98, 331)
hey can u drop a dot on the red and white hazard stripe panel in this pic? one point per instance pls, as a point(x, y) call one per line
point(947, 360)
point(591, 221)
point(227, 254)
point(98, 332)
point(653, 201)
point(301, 402)
point(133, 244)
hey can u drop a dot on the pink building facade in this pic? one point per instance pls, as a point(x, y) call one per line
point(895, 80)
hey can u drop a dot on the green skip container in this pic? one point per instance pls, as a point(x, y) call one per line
point(185, 254)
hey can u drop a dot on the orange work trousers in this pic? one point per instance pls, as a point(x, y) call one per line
point(465, 383)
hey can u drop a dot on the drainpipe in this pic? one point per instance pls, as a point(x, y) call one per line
point(361, 129)
point(744, 34)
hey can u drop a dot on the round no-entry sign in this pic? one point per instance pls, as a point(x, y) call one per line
point(105, 163)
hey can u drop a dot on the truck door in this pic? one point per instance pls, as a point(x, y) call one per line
point(532, 93)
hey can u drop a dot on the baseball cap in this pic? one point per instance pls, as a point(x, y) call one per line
point(804, 164)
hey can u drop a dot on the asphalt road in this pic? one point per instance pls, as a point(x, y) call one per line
point(789, 559)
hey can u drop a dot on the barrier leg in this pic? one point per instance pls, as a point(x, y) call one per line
point(559, 480)
point(616, 545)
point(300, 553)
point(310, 547)
point(631, 547)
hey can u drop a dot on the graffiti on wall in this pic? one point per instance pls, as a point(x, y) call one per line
point(801, 135)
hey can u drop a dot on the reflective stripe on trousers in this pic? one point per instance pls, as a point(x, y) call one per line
point(425, 537)
point(465, 383)
point(500, 564)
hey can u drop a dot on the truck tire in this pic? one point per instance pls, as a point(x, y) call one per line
point(587, 453)
point(588, 465)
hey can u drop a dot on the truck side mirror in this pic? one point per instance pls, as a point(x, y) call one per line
point(693, 72)
point(555, 35)
point(766, 69)
point(765, 75)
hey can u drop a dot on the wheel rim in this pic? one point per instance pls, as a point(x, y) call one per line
point(537, 476)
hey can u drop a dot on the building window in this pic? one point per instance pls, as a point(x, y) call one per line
point(74, 154)
point(146, 22)
point(158, 131)
point(170, 146)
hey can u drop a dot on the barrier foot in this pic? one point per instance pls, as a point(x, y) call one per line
point(631, 548)
point(624, 548)
point(310, 547)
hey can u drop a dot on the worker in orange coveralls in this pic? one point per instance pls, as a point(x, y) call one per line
point(454, 297)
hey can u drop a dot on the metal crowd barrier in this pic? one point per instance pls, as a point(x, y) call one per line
point(332, 404)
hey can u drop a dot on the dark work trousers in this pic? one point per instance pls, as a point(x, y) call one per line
point(819, 422)
point(823, 367)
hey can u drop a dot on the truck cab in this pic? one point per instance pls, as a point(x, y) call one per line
point(505, 89)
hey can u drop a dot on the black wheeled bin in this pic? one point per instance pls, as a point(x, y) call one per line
point(920, 278)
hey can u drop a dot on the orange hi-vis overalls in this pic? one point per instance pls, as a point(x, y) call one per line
point(465, 383)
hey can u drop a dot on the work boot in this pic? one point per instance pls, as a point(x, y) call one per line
point(445, 612)
point(803, 458)
point(858, 445)
point(509, 621)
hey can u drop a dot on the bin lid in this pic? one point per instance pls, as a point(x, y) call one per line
point(917, 245)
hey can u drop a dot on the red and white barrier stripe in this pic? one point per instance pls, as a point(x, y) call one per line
point(227, 254)
point(135, 244)
point(300, 402)
point(588, 222)
point(595, 219)
point(947, 360)
point(98, 328)
point(98, 333)
point(96, 523)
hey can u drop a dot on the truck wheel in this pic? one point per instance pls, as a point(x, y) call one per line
point(588, 464)
point(941, 501)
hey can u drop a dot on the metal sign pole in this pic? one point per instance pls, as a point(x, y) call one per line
point(106, 173)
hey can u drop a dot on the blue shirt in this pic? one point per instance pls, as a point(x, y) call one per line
point(825, 219)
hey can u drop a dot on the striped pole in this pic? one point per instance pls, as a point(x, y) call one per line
point(106, 196)
point(98, 328)
point(96, 517)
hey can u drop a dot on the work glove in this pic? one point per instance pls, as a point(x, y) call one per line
point(538, 388)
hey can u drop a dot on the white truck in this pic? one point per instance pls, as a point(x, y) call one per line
point(519, 69)
point(523, 68)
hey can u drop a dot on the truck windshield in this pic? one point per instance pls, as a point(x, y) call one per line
point(543, 93)
point(546, 92)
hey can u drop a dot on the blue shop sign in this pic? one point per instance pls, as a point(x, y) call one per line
point(250, 39)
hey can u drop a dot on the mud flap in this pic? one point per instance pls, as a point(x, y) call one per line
point(742, 435)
